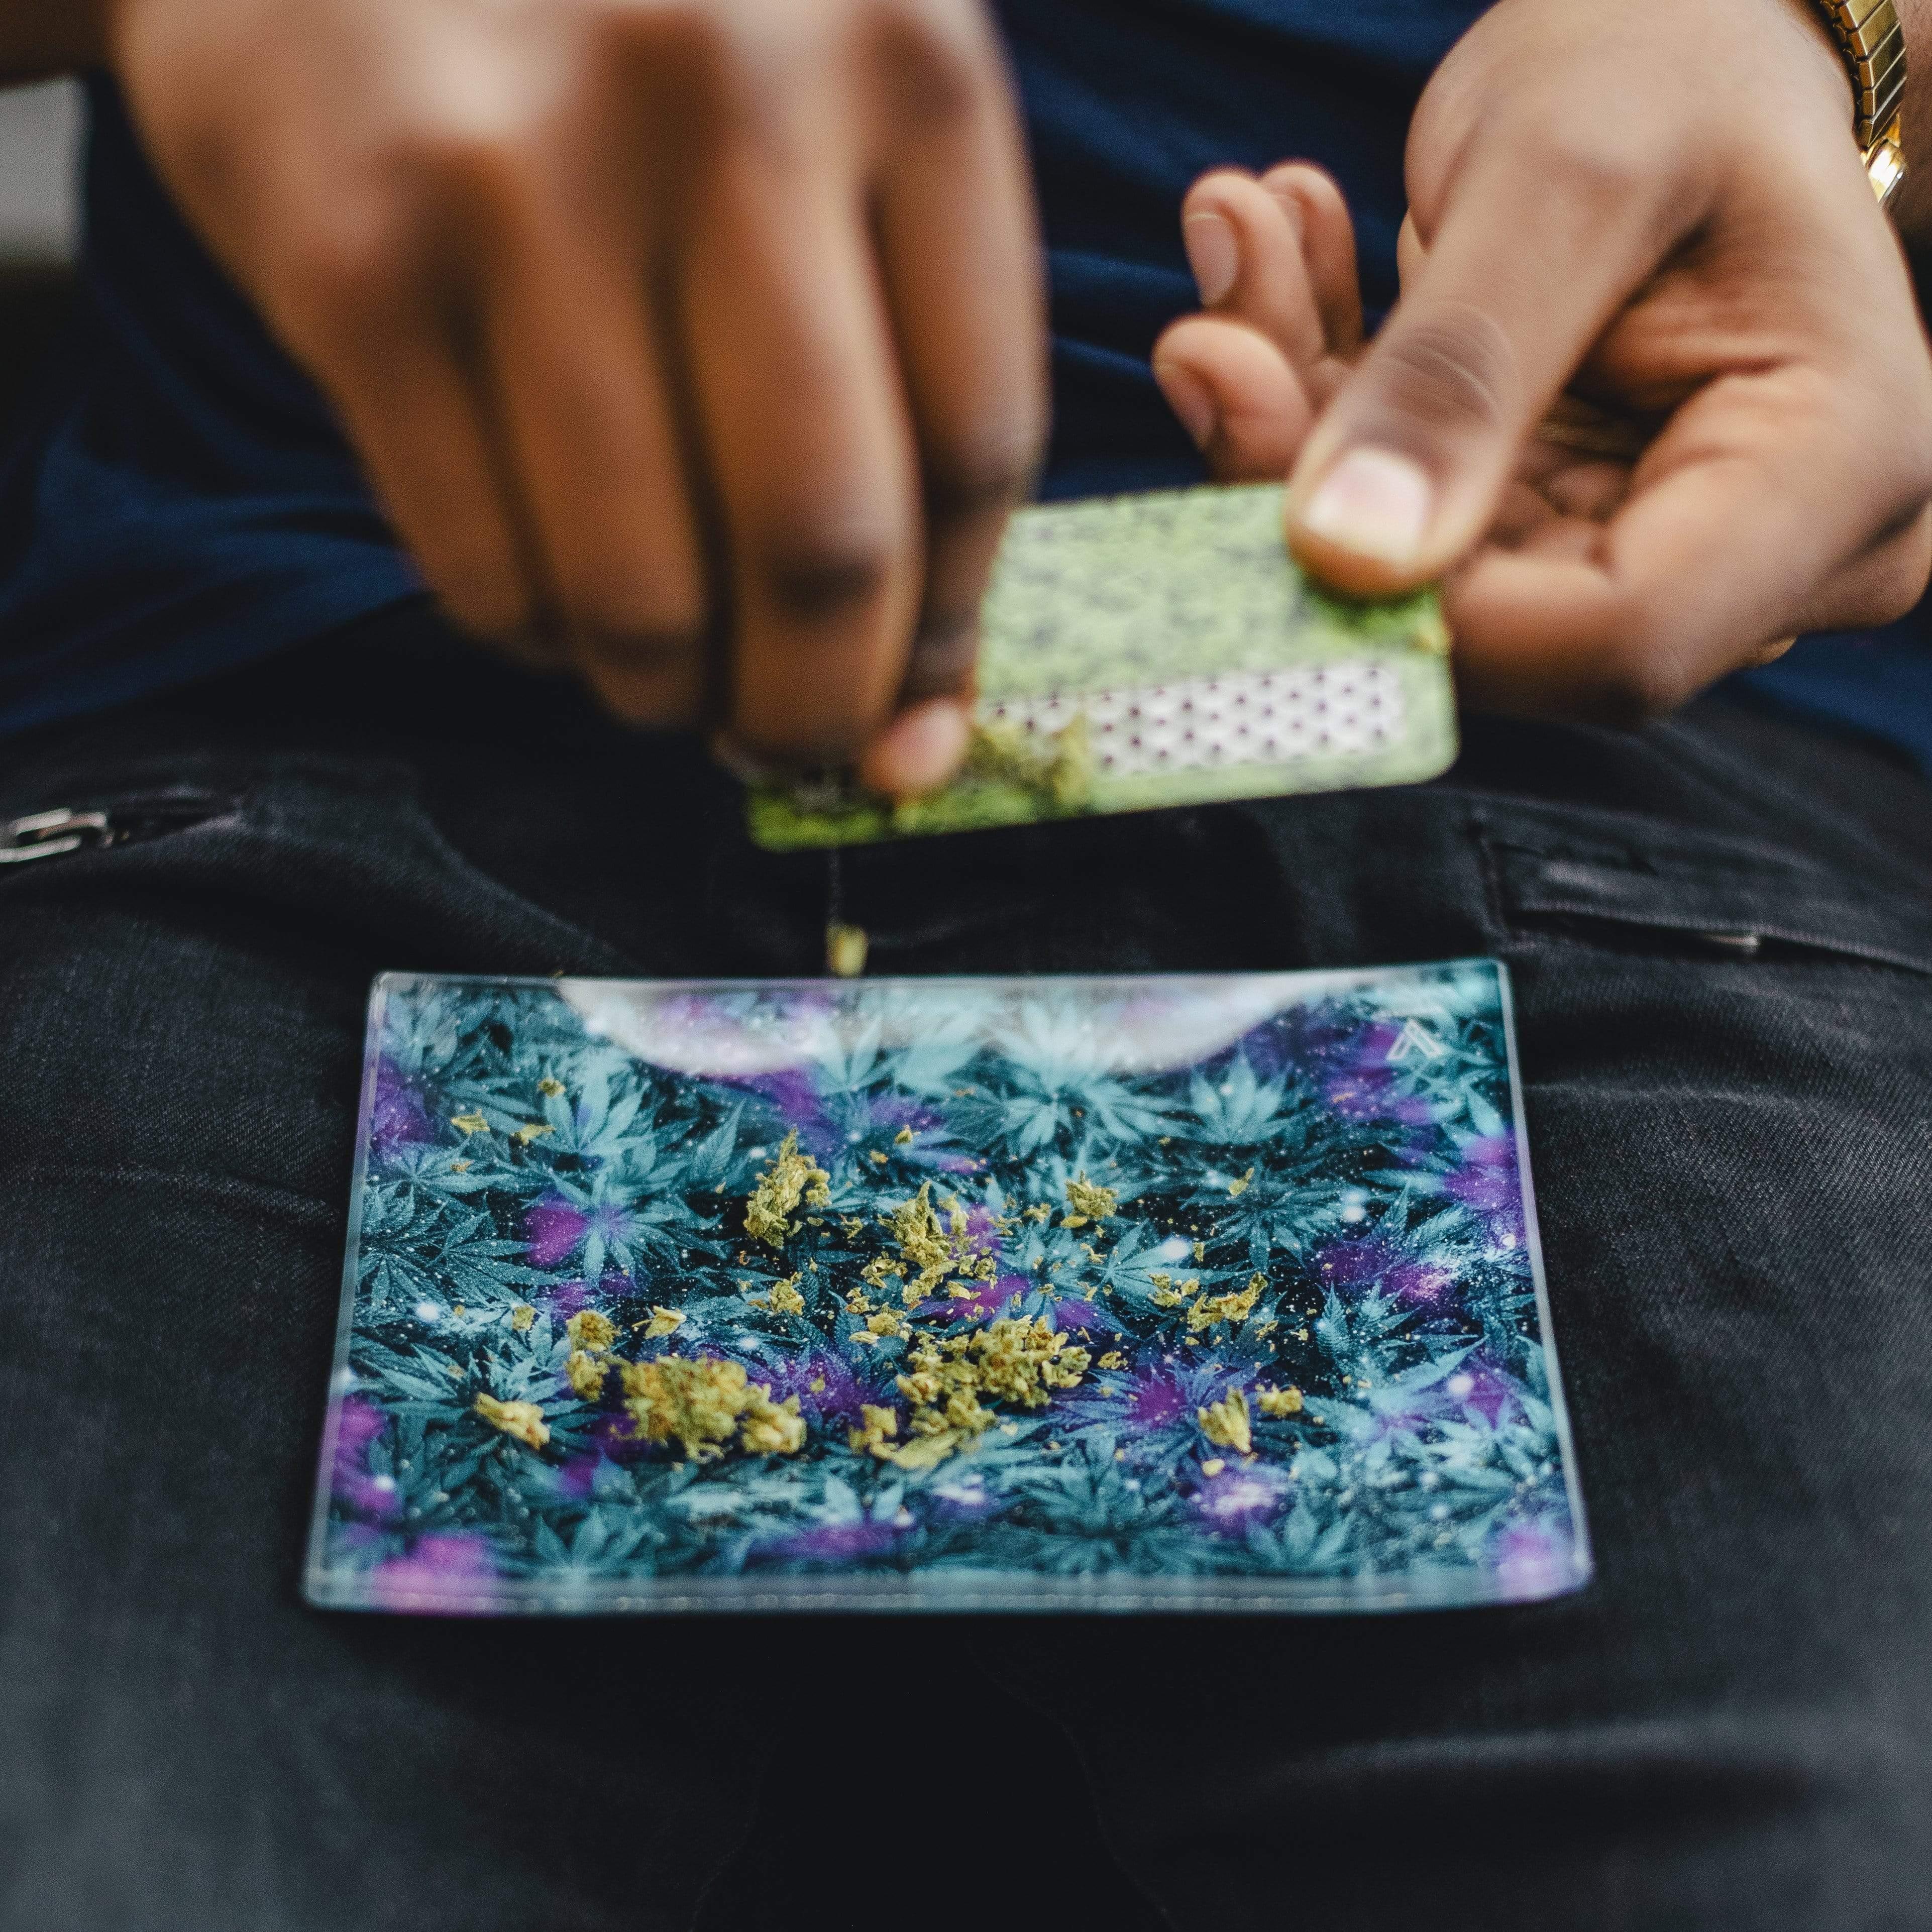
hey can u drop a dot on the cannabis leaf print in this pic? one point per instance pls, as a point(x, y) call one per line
point(1086, 1293)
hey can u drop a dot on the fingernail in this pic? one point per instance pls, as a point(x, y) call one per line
point(919, 750)
point(1212, 254)
point(1189, 398)
point(1373, 503)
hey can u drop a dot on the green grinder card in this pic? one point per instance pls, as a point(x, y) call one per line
point(1162, 649)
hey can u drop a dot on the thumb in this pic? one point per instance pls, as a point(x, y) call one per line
point(1403, 473)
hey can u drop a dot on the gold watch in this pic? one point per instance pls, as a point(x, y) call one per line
point(1873, 42)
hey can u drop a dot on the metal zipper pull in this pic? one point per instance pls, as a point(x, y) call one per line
point(46, 834)
point(52, 835)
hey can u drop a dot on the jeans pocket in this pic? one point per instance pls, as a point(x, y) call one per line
point(1636, 884)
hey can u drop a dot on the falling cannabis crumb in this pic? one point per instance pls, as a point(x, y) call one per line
point(522, 1420)
point(1241, 1187)
point(1200, 1253)
point(469, 1123)
point(1213, 1466)
point(664, 1321)
point(792, 1177)
point(1166, 1295)
point(586, 1373)
point(1039, 1211)
point(1279, 1401)
point(550, 1087)
point(698, 1404)
point(1089, 1202)
point(522, 1316)
point(1225, 1423)
point(590, 1330)
point(459, 1167)
point(875, 1155)
point(1113, 1359)
point(533, 1130)
point(903, 1137)
point(845, 949)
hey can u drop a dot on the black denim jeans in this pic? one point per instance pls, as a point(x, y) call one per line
point(1721, 933)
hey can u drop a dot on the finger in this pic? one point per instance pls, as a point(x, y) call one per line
point(1236, 394)
point(1754, 495)
point(420, 425)
point(795, 390)
point(919, 750)
point(1522, 274)
point(1243, 247)
point(1877, 587)
point(959, 263)
point(1316, 206)
point(580, 392)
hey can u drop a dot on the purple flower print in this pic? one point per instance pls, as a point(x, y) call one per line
point(1479, 1384)
point(1241, 1497)
point(837, 1542)
point(443, 1569)
point(397, 1117)
point(555, 1228)
point(570, 1298)
point(827, 1390)
point(1073, 1312)
point(1533, 1559)
point(1487, 1184)
point(1361, 1262)
point(1156, 1399)
point(358, 1423)
point(1361, 1083)
point(982, 1230)
point(987, 1301)
point(793, 1095)
point(577, 1476)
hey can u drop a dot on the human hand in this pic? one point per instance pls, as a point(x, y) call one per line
point(1690, 246)
point(698, 346)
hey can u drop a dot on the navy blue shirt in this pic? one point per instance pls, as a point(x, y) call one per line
point(177, 500)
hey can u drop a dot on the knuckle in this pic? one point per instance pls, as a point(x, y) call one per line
point(349, 266)
point(1452, 369)
point(650, 607)
point(934, 57)
point(1642, 675)
point(986, 471)
point(693, 47)
point(806, 581)
point(647, 679)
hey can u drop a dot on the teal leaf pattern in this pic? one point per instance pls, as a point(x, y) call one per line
point(1238, 1275)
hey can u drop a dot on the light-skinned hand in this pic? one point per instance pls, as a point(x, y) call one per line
point(1689, 249)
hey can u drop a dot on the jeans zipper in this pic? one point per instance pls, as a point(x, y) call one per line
point(64, 831)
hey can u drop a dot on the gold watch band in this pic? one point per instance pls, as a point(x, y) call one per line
point(1873, 42)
